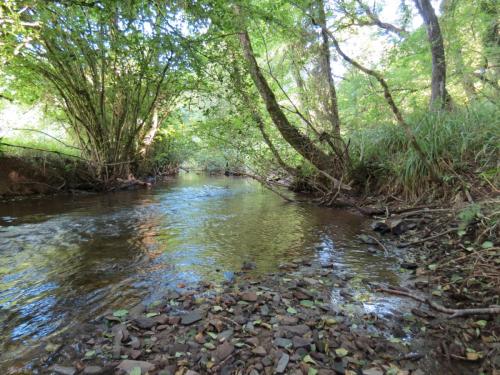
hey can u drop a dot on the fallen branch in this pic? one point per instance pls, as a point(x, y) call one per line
point(268, 186)
point(454, 313)
point(380, 244)
point(403, 245)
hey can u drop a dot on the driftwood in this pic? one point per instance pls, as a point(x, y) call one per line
point(125, 184)
point(380, 244)
point(403, 245)
point(268, 185)
point(454, 313)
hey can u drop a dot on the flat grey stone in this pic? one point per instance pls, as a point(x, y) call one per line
point(192, 317)
point(283, 343)
point(282, 363)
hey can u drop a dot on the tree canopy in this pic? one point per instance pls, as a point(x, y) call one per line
point(329, 93)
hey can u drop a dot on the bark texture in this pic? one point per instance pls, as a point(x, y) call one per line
point(302, 144)
point(440, 98)
point(331, 103)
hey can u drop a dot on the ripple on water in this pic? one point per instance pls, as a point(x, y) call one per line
point(65, 259)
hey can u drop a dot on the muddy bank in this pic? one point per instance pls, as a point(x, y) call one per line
point(21, 177)
point(453, 253)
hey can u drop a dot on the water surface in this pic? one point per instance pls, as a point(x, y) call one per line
point(64, 260)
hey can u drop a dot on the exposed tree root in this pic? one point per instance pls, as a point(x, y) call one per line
point(403, 245)
point(455, 313)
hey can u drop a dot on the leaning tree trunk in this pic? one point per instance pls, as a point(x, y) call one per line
point(439, 95)
point(302, 144)
point(298, 141)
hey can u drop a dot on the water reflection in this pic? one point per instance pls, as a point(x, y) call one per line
point(66, 259)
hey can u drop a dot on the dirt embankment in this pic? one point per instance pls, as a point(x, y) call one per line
point(21, 177)
point(41, 176)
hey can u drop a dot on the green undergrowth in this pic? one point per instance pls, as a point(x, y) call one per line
point(461, 145)
point(26, 147)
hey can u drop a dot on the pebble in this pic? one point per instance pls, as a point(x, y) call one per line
point(282, 363)
point(192, 317)
point(63, 370)
point(223, 351)
point(249, 296)
point(93, 370)
point(283, 343)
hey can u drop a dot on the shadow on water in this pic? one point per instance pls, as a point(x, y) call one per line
point(64, 260)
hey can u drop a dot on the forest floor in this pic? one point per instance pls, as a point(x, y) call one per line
point(291, 321)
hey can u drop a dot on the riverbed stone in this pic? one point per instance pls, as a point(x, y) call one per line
point(249, 296)
point(192, 317)
point(300, 342)
point(282, 363)
point(145, 322)
point(223, 351)
point(260, 351)
point(93, 370)
point(283, 343)
point(299, 329)
point(63, 370)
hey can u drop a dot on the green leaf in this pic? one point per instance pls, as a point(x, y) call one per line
point(487, 245)
point(308, 359)
point(341, 352)
point(151, 314)
point(432, 267)
point(120, 313)
point(307, 303)
point(312, 371)
point(135, 371)
point(481, 323)
point(291, 310)
point(90, 354)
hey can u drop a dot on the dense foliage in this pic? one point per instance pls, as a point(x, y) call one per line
point(327, 94)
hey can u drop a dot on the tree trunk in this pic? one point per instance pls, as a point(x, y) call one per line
point(332, 103)
point(151, 133)
point(440, 99)
point(392, 104)
point(303, 145)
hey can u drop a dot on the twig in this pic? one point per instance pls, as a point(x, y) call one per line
point(42, 150)
point(268, 186)
point(380, 244)
point(403, 245)
point(455, 313)
point(48, 135)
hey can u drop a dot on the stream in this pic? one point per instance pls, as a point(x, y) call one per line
point(67, 259)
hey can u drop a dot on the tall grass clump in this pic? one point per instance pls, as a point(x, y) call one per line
point(460, 145)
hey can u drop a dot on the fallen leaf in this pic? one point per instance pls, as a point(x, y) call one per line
point(120, 313)
point(341, 352)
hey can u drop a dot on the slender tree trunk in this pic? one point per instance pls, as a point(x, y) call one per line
point(151, 133)
point(392, 104)
point(332, 103)
point(440, 98)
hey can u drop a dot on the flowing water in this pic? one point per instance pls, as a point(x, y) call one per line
point(65, 260)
